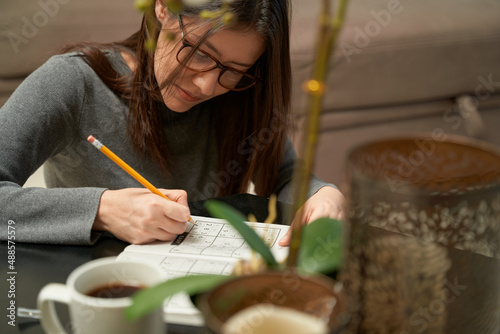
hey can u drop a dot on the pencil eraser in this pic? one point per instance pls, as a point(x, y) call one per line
point(91, 139)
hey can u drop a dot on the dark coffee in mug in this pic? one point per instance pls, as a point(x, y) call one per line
point(114, 290)
point(107, 279)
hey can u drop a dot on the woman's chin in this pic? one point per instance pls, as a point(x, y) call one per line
point(178, 110)
point(175, 106)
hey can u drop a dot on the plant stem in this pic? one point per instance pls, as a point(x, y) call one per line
point(327, 37)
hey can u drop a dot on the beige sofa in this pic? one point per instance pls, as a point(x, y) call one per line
point(403, 66)
point(400, 65)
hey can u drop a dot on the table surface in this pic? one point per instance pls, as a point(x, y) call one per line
point(38, 264)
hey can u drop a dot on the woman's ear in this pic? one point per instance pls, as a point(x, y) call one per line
point(161, 11)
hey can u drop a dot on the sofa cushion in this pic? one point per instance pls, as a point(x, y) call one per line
point(343, 130)
point(400, 66)
point(394, 52)
point(32, 31)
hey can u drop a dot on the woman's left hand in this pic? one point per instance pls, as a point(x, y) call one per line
point(326, 202)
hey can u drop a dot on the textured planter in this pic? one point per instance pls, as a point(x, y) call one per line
point(424, 242)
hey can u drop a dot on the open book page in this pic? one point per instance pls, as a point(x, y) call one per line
point(212, 246)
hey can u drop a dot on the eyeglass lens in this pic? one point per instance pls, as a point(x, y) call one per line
point(200, 61)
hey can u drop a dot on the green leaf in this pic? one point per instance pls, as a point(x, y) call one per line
point(321, 247)
point(151, 298)
point(236, 219)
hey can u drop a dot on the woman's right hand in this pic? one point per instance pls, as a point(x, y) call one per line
point(138, 216)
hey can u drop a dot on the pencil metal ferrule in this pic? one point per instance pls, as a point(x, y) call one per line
point(97, 144)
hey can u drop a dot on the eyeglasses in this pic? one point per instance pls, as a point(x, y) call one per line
point(201, 61)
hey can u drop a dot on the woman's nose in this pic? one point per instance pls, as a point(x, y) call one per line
point(207, 82)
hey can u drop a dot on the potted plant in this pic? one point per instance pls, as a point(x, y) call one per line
point(304, 265)
point(262, 280)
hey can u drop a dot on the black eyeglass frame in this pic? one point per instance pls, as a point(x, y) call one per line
point(218, 64)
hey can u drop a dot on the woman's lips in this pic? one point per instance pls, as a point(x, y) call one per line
point(187, 96)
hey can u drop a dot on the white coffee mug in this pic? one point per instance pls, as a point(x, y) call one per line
point(96, 314)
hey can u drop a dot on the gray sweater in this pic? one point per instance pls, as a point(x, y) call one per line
point(47, 121)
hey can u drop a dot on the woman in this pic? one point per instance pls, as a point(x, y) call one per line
point(206, 112)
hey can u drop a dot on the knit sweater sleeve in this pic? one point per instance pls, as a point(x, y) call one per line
point(39, 120)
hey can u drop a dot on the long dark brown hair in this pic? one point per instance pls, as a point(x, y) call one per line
point(250, 125)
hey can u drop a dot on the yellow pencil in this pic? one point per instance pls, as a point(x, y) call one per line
point(91, 139)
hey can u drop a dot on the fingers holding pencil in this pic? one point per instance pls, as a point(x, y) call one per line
point(106, 151)
point(176, 195)
point(179, 197)
point(137, 216)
